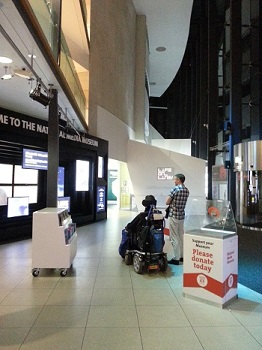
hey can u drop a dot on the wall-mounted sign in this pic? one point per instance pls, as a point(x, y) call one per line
point(165, 174)
point(34, 159)
point(101, 198)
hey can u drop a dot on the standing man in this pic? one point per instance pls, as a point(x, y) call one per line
point(176, 200)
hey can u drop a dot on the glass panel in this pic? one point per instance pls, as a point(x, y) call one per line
point(210, 215)
point(67, 67)
point(47, 14)
point(249, 204)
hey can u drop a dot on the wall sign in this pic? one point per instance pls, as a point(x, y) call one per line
point(165, 174)
point(101, 198)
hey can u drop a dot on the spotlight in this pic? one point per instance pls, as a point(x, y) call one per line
point(37, 95)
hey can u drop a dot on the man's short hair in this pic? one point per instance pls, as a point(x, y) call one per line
point(181, 177)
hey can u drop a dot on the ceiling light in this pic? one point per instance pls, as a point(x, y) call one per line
point(23, 73)
point(160, 49)
point(32, 56)
point(5, 60)
point(7, 74)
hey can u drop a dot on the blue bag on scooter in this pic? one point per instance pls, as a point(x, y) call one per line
point(123, 244)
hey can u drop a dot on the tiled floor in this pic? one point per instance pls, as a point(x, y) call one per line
point(103, 304)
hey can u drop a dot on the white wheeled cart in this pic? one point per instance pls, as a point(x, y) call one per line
point(54, 240)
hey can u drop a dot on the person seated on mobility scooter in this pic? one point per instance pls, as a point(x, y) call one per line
point(129, 233)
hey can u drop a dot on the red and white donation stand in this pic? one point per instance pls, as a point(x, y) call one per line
point(210, 271)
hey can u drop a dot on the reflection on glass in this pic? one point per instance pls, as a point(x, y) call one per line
point(210, 215)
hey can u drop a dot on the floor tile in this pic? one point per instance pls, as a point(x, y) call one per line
point(248, 313)
point(38, 282)
point(12, 338)
point(4, 292)
point(118, 270)
point(113, 296)
point(54, 339)
point(76, 282)
point(75, 296)
point(112, 339)
point(221, 338)
point(18, 316)
point(62, 316)
point(148, 281)
point(208, 315)
point(113, 282)
point(161, 316)
point(256, 332)
point(182, 338)
point(112, 316)
point(155, 296)
point(27, 296)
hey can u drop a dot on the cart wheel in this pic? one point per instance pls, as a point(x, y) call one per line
point(163, 264)
point(63, 272)
point(138, 264)
point(128, 258)
point(35, 272)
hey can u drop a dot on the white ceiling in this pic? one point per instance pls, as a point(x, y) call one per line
point(168, 24)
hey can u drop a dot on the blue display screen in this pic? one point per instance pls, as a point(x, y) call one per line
point(101, 198)
point(34, 159)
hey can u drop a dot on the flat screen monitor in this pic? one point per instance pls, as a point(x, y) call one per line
point(63, 202)
point(6, 173)
point(17, 206)
point(26, 191)
point(82, 175)
point(101, 198)
point(60, 181)
point(5, 192)
point(34, 159)
point(100, 167)
point(25, 176)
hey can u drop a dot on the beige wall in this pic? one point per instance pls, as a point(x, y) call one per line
point(143, 161)
point(112, 61)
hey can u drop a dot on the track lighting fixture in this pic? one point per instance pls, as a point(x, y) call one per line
point(7, 74)
point(38, 96)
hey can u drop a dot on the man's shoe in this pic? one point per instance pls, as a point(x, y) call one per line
point(173, 262)
point(181, 259)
